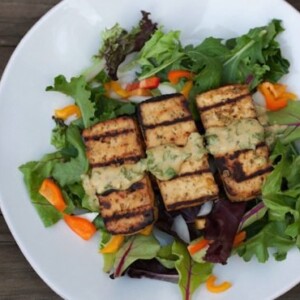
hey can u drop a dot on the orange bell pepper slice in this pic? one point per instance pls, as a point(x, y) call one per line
point(239, 238)
point(187, 88)
point(276, 95)
point(113, 244)
point(175, 75)
point(201, 244)
point(67, 111)
point(52, 192)
point(82, 227)
point(217, 288)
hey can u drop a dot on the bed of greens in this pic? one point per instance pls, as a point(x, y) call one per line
point(148, 61)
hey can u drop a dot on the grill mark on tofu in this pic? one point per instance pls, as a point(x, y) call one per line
point(118, 161)
point(109, 134)
point(134, 187)
point(188, 203)
point(224, 102)
point(145, 211)
point(168, 123)
point(198, 172)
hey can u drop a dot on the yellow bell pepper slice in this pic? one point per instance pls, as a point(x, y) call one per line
point(68, 111)
point(113, 244)
point(217, 288)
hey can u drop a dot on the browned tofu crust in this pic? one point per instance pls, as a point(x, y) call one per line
point(113, 142)
point(220, 106)
point(243, 171)
point(128, 211)
point(167, 120)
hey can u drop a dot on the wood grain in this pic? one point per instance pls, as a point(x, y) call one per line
point(18, 281)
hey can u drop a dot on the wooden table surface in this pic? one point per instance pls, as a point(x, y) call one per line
point(17, 279)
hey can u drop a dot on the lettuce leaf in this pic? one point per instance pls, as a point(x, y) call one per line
point(69, 172)
point(77, 89)
point(117, 43)
point(162, 50)
point(136, 247)
point(191, 273)
point(152, 269)
point(34, 173)
point(281, 195)
point(272, 235)
point(221, 226)
point(253, 55)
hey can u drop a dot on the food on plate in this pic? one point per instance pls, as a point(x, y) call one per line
point(169, 155)
point(126, 203)
point(167, 120)
point(236, 140)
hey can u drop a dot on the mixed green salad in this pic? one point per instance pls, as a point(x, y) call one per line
point(148, 61)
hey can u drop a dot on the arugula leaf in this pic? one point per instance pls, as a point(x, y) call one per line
point(34, 173)
point(281, 195)
point(191, 273)
point(69, 172)
point(118, 43)
point(108, 108)
point(272, 235)
point(250, 54)
point(77, 89)
point(136, 247)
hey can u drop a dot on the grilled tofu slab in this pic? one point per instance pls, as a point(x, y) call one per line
point(166, 120)
point(235, 138)
point(220, 106)
point(128, 211)
point(112, 144)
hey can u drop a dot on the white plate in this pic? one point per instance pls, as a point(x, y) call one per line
point(63, 42)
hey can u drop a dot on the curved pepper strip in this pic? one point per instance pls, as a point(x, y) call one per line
point(217, 288)
point(175, 75)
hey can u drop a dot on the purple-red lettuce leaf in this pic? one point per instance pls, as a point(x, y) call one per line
point(152, 269)
point(191, 273)
point(136, 247)
point(118, 43)
point(221, 227)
